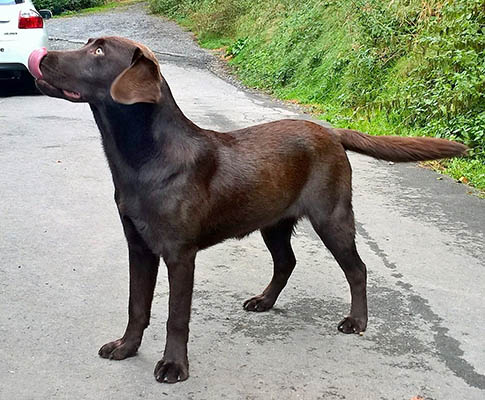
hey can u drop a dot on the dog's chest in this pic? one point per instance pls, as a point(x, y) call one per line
point(144, 219)
point(157, 217)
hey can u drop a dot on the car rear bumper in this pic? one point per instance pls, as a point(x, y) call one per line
point(9, 71)
point(18, 51)
point(13, 67)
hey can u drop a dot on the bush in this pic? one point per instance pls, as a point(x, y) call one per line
point(447, 91)
point(421, 63)
point(59, 6)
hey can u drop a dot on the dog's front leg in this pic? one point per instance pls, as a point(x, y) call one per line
point(174, 365)
point(143, 275)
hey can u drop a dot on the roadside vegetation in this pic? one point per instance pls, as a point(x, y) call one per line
point(406, 67)
point(60, 6)
point(76, 7)
point(69, 7)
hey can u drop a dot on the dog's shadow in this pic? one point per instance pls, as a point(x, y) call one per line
point(277, 324)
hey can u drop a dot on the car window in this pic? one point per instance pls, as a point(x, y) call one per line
point(10, 2)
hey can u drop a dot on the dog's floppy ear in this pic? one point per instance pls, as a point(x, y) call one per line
point(140, 82)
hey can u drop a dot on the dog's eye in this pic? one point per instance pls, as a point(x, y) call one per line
point(99, 51)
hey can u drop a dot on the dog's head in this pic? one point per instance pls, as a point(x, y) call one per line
point(126, 71)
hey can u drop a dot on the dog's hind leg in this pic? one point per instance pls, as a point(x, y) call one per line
point(143, 275)
point(277, 239)
point(337, 231)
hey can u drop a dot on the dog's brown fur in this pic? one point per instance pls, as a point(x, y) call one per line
point(180, 188)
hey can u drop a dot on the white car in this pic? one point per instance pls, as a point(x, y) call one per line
point(22, 30)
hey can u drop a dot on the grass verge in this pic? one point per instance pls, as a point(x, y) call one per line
point(405, 67)
point(104, 7)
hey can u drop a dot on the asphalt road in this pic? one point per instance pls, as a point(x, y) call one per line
point(64, 275)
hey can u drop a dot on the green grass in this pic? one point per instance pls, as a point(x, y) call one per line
point(406, 67)
point(105, 7)
point(214, 43)
point(473, 170)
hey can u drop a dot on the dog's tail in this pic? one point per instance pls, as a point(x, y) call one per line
point(399, 149)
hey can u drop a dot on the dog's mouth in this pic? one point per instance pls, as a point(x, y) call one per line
point(53, 91)
point(71, 95)
point(35, 60)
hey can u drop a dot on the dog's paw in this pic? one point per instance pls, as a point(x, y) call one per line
point(118, 350)
point(352, 325)
point(171, 371)
point(258, 303)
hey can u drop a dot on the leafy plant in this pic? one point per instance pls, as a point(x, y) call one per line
point(414, 67)
point(237, 47)
point(59, 6)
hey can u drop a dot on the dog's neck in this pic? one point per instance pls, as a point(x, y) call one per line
point(135, 134)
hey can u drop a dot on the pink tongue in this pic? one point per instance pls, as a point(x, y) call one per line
point(34, 62)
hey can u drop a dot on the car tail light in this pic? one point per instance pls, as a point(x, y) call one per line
point(30, 20)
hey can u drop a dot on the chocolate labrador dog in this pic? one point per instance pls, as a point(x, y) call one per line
point(180, 188)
